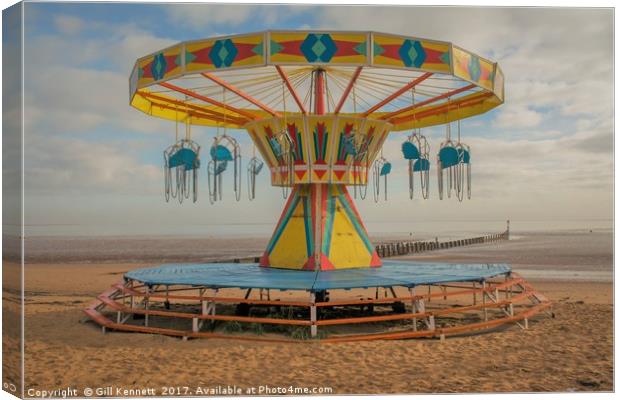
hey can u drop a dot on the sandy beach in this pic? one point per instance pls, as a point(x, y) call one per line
point(571, 352)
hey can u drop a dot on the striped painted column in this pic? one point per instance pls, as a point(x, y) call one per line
point(320, 229)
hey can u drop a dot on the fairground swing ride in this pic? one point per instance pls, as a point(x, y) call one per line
point(318, 107)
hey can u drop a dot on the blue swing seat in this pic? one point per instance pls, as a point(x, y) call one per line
point(465, 155)
point(258, 166)
point(385, 169)
point(422, 164)
point(221, 153)
point(276, 147)
point(349, 146)
point(410, 151)
point(448, 156)
point(220, 166)
point(184, 157)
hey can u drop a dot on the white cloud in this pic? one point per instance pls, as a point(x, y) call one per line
point(68, 24)
point(73, 166)
point(78, 100)
point(208, 16)
point(84, 84)
point(518, 117)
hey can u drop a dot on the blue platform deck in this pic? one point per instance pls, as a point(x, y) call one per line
point(245, 276)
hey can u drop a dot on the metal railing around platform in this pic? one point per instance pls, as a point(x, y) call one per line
point(418, 319)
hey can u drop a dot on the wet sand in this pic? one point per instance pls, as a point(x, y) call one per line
point(571, 352)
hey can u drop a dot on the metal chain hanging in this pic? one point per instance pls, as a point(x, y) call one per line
point(254, 167)
point(464, 166)
point(361, 153)
point(448, 160)
point(184, 157)
point(287, 156)
point(225, 149)
point(416, 150)
point(381, 167)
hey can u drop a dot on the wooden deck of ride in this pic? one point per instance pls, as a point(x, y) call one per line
point(130, 298)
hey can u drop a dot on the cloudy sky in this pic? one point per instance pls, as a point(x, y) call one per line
point(94, 164)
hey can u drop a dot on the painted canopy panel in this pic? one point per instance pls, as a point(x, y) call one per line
point(473, 68)
point(325, 149)
point(160, 66)
point(335, 48)
point(407, 52)
point(225, 53)
point(379, 58)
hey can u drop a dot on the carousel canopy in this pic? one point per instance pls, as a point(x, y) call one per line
point(235, 80)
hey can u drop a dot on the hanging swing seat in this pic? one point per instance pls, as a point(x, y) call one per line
point(256, 165)
point(221, 153)
point(464, 156)
point(386, 169)
point(410, 151)
point(349, 146)
point(449, 157)
point(421, 164)
point(185, 157)
point(276, 146)
point(218, 168)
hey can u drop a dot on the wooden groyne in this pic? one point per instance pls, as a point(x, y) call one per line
point(412, 247)
point(401, 248)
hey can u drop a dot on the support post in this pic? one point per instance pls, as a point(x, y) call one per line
point(146, 305)
point(132, 298)
point(214, 302)
point(431, 322)
point(313, 327)
point(319, 92)
point(474, 287)
point(484, 286)
point(414, 308)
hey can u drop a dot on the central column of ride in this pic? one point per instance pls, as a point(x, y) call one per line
point(320, 227)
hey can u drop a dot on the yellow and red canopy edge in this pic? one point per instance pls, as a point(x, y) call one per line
point(482, 91)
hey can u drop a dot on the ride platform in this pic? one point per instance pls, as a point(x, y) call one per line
point(245, 301)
